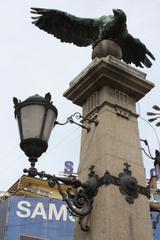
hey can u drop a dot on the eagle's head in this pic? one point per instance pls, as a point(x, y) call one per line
point(118, 13)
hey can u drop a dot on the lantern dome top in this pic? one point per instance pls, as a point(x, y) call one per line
point(35, 99)
point(36, 96)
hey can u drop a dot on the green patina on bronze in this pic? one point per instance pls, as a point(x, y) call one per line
point(86, 31)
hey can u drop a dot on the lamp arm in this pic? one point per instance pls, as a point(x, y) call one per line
point(78, 116)
point(78, 204)
point(148, 148)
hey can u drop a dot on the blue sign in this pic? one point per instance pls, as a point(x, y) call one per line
point(39, 218)
point(156, 225)
point(68, 168)
point(152, 172)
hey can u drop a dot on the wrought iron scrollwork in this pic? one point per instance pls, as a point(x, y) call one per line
point(78, 116)
point(80, 201)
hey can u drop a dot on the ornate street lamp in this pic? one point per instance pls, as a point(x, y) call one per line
point(36, 117)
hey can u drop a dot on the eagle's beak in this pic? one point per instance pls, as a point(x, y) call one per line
point(115, 11)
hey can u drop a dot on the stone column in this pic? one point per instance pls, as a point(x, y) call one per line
point(109, 89)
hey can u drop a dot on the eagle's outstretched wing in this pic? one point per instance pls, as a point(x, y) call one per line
point(66, 27)
point(134, 51)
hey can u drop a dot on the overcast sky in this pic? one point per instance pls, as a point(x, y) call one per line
point(31, 61)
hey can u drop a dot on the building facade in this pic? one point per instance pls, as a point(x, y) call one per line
point(155, 203)
point(34, 211)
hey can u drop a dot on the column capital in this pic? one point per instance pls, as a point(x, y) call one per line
point(112, 72)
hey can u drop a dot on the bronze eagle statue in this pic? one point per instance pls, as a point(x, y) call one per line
point(87, 31)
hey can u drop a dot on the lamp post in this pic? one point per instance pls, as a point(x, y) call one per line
point(36, 117)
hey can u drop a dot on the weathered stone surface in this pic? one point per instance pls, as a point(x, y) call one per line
point(110, 89)
point(111, 72)
point(105, 48)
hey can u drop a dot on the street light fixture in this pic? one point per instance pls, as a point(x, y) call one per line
point(36, 117)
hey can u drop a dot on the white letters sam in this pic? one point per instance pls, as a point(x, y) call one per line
point(25, 210)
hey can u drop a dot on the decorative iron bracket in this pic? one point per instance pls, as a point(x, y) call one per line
point(78, 116)
point(128, 185)
point(81, 200)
